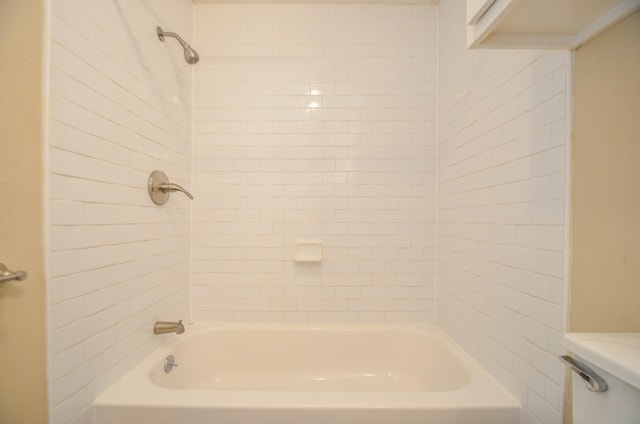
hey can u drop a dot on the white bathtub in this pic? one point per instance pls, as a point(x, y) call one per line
point(308, 375)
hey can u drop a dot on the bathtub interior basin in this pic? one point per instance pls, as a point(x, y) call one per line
point(313, 359)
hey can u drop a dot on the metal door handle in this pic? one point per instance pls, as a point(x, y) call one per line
point(7, 275)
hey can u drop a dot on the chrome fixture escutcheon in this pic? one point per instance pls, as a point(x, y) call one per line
point(160, 188)
point(169, 363)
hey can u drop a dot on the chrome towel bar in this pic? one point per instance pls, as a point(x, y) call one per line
point(593, 381)
point(7, 275)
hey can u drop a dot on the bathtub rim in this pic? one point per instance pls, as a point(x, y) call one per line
point(482, 392)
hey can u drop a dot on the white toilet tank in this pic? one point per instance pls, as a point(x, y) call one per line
point(615, 358)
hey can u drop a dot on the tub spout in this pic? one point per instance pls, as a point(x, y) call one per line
point(163, 327)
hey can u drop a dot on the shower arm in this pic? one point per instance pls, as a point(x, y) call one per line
point(162, 34)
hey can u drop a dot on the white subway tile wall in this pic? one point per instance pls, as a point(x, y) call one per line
point(502, 149)
point(314, 122)
point(120, 107)
point(307, 122)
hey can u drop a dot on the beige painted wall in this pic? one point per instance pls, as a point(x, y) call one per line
point(23, 387)
point(605, 281)
point(605, 270)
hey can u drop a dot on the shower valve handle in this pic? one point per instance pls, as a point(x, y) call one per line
point(160, 188)
point(171, 187)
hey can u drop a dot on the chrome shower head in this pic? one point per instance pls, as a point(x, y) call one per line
point(190, 55)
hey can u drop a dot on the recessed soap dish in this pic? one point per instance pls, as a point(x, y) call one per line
point(307, 251)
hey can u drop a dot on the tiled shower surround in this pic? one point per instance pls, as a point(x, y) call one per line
point(501, 210)
point(119, 108)
point(434, 177)
point(314, 122)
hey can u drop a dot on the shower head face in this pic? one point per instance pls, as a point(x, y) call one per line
point(190, 55)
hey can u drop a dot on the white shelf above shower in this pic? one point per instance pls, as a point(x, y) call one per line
point(545, 24)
